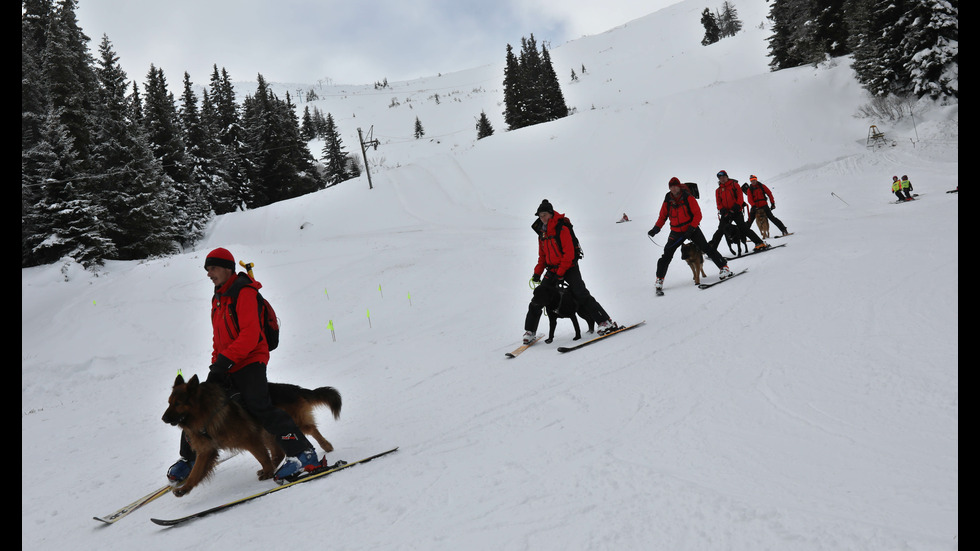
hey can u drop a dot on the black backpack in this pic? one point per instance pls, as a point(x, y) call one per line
point(268, 321)
point(692, 188)
point(563, 223)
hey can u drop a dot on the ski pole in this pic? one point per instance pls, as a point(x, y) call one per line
point(654, 242)
point(841, 200)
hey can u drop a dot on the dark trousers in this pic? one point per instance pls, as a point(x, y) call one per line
point(582, 296)
point(733, 218)
point(674, 241)
point(769, 214)
point(900, 196)
point(250, 387)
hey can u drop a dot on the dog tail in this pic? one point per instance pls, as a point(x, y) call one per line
point(284, 394)
point(327, 396)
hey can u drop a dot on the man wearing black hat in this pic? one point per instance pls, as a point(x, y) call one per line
point(557, 254)
point(238, 363)
point(730, 201)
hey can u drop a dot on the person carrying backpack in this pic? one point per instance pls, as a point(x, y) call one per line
point(728, 197)
point(238, 363)
point(685, 219)
point(559, 255)
point(760, 197)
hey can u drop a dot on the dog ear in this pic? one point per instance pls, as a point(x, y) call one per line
point(192, 384)
point(179, 380)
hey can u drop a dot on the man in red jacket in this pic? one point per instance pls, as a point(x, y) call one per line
point(685, 218)
point(238, 362)
point(556, 254)
point(760, 197)
point(728, 197)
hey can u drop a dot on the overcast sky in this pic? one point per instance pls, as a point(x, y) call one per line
point(304, 41)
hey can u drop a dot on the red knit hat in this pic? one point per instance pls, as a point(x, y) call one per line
point(220, 257)
point(674, 182)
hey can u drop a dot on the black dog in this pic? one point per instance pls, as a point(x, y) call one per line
point(735, 236)
point(558, 303)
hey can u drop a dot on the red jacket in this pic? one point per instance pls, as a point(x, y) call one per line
point(550, 256)
point(684, 212)
point(757, 195)
point(728, 196)
point(243, 346)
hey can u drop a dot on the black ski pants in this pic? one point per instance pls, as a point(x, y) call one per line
point(250, 387)
point(674, 242)
point(582, 296)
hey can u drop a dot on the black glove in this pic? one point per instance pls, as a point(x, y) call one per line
point(536, 278)
point(221, 365)
point(551, 278)
point(653, 231)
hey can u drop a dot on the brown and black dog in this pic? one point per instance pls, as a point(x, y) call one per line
point(212, 421)
point(695, 259)
point(762, 221)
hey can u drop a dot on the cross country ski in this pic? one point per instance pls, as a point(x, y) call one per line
point(599, 338)
point(712, 284)
point(522, 347)
point(111, 518)
point(340, 465)
point(769, 248)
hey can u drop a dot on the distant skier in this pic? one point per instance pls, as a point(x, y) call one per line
point(906, 187)
point(624, 218)
point(897, 190)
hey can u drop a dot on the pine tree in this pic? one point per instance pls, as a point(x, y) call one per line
point(223, 118)
point(552, 95)
point(282, 167)
point(830, 35)
point(483, 126)
point(877, 59)
point(712, 33)
point(69, 78)
point(207, 178)
point(791, 43)
point(513, 113)
point(930, 48)
point(306, 128)
point(419, 131)
point(728, 21)
point(532, 93)
point(67, 221)
point(333, 154)
point(133, 191)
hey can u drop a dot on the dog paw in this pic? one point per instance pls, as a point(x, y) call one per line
point(181, 492)
point(263, 474)
point(548, 341)
point(576, 337)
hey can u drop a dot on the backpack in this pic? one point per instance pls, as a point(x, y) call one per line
point(268, 321)
point(692, 188)
point(563, 223)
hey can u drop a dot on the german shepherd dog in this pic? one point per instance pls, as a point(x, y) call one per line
point(212, 421)
point(695, 259)
point(762, 221)
point(558, 303)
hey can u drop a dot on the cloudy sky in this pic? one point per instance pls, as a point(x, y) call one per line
point(305, 41)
